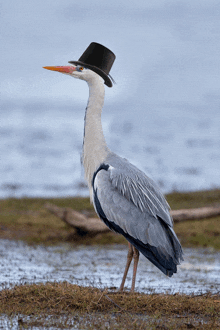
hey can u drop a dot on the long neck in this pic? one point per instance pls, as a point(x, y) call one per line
point(95, 149)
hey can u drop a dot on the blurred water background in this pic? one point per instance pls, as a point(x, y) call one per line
point(163, 114)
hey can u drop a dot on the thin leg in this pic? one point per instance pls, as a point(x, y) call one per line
point(129, 258)
point(136, 259)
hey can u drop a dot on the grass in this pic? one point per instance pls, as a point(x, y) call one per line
point(66, 306)
point(193, 199)
point(27, 219)
point(91, 308)
point(198, 233)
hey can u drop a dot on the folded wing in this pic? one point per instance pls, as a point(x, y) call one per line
point(131, 204)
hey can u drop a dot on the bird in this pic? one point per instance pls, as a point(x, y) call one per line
point(125, 198)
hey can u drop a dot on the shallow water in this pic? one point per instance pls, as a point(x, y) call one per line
point(103, 267)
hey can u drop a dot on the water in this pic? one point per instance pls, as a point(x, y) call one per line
point(41, 146)
point(99, 267)
point(163, 113)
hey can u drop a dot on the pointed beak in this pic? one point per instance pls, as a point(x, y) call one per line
point(62, 69)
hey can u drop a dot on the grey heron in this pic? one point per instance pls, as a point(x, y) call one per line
point(127, 200)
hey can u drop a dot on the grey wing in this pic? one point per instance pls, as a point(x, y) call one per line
point(129, 203)
point(143, 192)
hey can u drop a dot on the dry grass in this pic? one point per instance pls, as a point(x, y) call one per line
point(72, 304)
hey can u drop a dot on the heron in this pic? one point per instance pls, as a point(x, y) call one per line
point(124, 197)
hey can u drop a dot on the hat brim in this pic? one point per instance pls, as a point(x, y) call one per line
point(101, 73)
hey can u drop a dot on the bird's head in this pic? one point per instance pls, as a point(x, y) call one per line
point(78, 71)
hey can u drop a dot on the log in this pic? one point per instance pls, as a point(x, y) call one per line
point(195, 214)
point(77, 220)
point(94, 226)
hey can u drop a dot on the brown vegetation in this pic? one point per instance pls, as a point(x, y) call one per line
point(154, 311)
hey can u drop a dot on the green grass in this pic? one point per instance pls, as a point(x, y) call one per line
point(197, 233)
point(28, 219)
point(195, 199)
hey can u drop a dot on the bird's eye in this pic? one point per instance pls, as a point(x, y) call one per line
point(79, 68)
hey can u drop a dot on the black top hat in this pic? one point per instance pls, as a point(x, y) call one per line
point(99, 59)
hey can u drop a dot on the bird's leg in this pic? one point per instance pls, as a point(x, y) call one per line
point(136, 259)
point(129, 258)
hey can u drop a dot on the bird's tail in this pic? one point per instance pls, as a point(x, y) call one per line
point(166, 261)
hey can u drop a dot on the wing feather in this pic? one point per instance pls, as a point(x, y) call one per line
point(141, 191)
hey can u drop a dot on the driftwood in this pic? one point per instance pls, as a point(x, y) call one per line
point(84, 225)
point(77, 220)
point(195, 214)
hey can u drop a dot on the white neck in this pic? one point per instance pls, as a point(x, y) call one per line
point(95, 149)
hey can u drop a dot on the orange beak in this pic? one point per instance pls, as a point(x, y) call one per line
point(63, 69)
